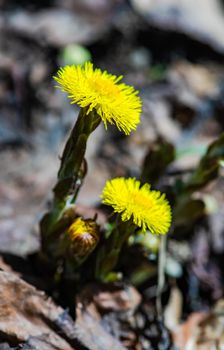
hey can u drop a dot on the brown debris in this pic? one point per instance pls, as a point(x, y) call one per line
point(47, 326)
point(57, 27)
point(187, 16)
point(101, 304)
point(22, 304)
point(118, 300)
point(92, 334)
point(184, 332)
point(202, 331)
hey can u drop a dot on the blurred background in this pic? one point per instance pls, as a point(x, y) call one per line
point(172, 51)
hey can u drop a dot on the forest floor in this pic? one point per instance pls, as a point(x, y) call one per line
point(172, 52)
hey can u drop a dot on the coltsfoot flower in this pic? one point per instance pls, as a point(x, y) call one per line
point(116, 103)
point(147, 209)
point(83, 237)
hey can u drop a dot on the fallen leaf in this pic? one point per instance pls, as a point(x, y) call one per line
point(97, 301)
point(202, 20)
point(58, 27)
point(202, 330)
point(117, 299)
point(91, 334)
point(184, 332)
point(26, 312)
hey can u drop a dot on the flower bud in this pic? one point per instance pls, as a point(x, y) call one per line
point(83, 237)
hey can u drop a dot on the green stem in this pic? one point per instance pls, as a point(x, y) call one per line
point(70, 177)
point(75, 147)
point(108, 254)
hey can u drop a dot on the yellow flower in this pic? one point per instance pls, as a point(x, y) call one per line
point(115, 103)
point(83, 236)
point(147, 209)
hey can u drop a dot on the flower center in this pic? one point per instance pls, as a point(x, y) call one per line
point(142, 201)
point(105, 87)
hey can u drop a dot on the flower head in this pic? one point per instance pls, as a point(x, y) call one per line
point(147, 209)
point(83, 236)
point(116, 103)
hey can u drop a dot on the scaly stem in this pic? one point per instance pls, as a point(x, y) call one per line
point(70, 177)
point(108, 254)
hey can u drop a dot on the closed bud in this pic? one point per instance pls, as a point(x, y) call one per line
point(83, 237)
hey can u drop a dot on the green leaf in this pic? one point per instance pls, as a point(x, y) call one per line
point(209, 166)
point(159, 156)
point(187, 211)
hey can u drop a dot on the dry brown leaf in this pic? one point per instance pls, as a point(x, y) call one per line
point(92, 334)
point(202, 19)
point(96, 301)
point(26, 312)
point(118, 299)
point(185, 331)
point(202, 331)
